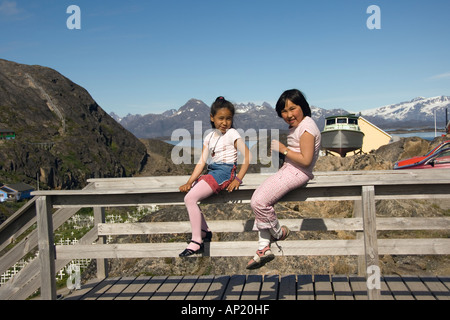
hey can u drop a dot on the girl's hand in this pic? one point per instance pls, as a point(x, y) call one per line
point(185, 187)
point(234, 185)
point(277, 146)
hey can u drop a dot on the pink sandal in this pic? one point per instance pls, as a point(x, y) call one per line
point(261, 258)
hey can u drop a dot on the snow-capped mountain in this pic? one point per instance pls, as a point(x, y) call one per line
point(248, 116)
point(417, 112)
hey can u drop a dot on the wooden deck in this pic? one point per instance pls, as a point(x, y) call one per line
point(257, 287)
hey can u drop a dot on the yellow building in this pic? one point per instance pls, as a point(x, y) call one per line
point(374, 137)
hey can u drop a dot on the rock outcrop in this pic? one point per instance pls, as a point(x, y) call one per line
point(62, 135)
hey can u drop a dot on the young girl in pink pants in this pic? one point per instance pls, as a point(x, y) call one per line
point(222, 144)
point(300, 157)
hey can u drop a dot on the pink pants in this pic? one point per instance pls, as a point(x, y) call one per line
point(201, 190)
point(271, 191)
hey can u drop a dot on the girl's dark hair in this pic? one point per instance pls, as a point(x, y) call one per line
point(220, 103)
point(297, 97)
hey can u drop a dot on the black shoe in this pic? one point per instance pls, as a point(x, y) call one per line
point(189, 252)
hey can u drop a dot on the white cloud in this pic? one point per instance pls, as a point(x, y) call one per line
point(9, 8)
point(440, 76)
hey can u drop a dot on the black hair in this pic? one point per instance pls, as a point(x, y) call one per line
point(296, 97)
point(220, 103)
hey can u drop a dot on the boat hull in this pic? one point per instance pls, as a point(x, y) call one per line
point(342, 141)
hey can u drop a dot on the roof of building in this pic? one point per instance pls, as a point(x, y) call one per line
point(374, 126)
point(20, 187)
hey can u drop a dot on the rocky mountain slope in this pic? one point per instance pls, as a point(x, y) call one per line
point(62, 135)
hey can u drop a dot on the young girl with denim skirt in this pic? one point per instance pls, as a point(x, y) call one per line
point(222, 144)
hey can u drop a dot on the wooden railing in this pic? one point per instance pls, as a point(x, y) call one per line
point(363, 187)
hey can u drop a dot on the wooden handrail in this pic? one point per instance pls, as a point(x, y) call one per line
point(361, 186)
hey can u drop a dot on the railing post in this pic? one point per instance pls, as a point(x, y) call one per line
point(102, 264)
point(357, 213)
point(370, 238)
point(47, 254)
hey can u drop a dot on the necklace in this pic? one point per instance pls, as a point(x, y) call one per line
point(213, 153)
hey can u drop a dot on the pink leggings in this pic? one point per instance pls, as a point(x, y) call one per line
point(199, 191)
point(271, 191)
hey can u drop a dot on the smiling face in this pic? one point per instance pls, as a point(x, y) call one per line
point(223, 120)
point(292, 114)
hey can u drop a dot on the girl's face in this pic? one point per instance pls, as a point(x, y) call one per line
point(292, 114)
point(222, 120)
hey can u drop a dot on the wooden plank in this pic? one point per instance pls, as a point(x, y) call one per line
point(437, 288)
point(217, 288)
point(24, 218)
point(322, 287)
point(100, 289)
point(255, 179)
point(234, 287)
point(116, 288)
point(31, 240)
point(46, 248)
point(27, 281)
point(343, 190)
point(414, 246)
point(246, 248)
point(305, 287)
point(228, 226)
point(370, 235)
point(183, 288)
point(251, 181)
point(269, 288)
point(385, 293)
point(17, 223)
point(200, 288)
point(359, 287)
point(139, 182)
point(397, 288)
point(419, 190)
point(316, 224)
point(287, 288)
point(252, 287)
point(430, 223)
point(149, 288)
point(166, 289)
point(85, 289)
point(446, 281)
point(135, 286)
point(341, 287)
point(218, 249)
point(140, 228)
point(417, 288)
point(102, 264)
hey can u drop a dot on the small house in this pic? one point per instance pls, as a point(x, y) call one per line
point(7, 134)
point(3, 194)
point(17, 192)
point(374, 137)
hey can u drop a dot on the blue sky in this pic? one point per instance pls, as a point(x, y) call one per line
point(150, 56)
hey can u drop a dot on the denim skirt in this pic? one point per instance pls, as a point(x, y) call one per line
point(219, 175)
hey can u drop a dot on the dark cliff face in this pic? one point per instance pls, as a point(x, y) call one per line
point(62, 135)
